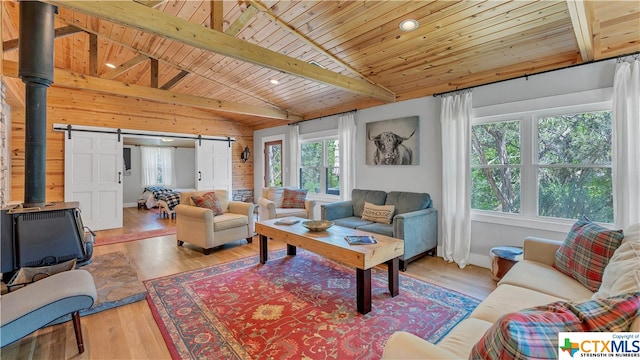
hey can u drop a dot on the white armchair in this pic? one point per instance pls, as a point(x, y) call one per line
point(199, 226)
point(271, 202)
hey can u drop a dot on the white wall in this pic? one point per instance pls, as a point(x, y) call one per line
point(426, 177)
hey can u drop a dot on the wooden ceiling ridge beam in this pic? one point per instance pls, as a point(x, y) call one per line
point(58, 33)
point(72, 80)
point(172, 27)
point(581, 21)
point(285, 26)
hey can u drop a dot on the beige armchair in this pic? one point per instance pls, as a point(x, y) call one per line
point(198, 226)
point(270, 205)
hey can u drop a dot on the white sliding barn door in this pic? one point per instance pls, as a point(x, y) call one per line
point(93, 177)
point(214, 166)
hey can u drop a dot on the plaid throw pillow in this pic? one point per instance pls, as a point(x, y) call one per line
point(294, 198)
point(533, 333)
point(586, 251)
point(208, 201)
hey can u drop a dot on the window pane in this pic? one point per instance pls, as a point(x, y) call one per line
point(575, 139)
point(333, 181)
point(496, 189)
point(310, 179)
point(573, 192)
point(496, 143)
point(312, 167)
point(274, 163)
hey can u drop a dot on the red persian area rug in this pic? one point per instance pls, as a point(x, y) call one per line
point(294, 307)
point(114, 239)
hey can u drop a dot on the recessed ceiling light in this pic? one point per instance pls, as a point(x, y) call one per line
point(109, 65)
point(274, 81)
point(166, 140)
point(408, 25)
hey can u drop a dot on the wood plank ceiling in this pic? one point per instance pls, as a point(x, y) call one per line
point(221, 56)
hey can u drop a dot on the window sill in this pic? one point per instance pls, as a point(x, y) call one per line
point(323, 197)
point(549, 224)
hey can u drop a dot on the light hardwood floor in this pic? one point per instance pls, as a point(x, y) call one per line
point(130, 332)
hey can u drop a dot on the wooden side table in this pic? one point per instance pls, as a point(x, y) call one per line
point(503, 258)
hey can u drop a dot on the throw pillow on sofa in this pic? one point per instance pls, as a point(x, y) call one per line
point(294, 198)
point(533, 333)
point(209, 201)
point(622, 274)
point(378, 213)
point(586, 251)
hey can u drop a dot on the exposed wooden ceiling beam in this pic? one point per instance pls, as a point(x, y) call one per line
point(241, 21)
point(581, 22)
point(217, 14)
point(125, 67)
point(174, 80)
point(151, 3)
point(144, 55)
point(93, 54)
point(172, 27)
point(58, 33)
point(155, 72)
point(283, 25)
point(72, 80)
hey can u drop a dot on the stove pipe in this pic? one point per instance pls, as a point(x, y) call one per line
point(36, 71)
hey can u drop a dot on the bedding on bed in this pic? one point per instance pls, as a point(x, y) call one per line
point(151, 195)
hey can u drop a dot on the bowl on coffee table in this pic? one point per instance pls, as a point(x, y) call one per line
point(317, 225)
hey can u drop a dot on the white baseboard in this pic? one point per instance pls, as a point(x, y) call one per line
point(130, 205)
point(474, 259)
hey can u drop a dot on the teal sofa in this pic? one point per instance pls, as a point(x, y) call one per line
point(415, 220)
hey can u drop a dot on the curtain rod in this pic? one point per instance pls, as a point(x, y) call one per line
point(526, 76)
point(340, 113)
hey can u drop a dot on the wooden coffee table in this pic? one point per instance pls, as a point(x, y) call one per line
point(332, 245)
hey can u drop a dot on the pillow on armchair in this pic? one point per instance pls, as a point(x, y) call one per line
point(294, 198)
point(208, 201)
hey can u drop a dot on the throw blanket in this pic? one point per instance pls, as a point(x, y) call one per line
point(172, 199)
point(157, 191)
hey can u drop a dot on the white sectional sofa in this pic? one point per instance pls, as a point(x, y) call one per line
point(531, 282)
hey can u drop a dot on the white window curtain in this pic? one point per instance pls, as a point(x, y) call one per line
point(149, 161)
point(347, 146)
point(155, 159)
point(455, 122)
point(294, 156)
point(168, 160)
point(626, 143)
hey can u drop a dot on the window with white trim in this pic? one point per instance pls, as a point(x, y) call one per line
point(320, 165)
point(544, 164)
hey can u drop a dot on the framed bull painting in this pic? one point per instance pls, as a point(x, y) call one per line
point(393, 142)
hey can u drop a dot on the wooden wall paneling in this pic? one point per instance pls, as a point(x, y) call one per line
point(77, 107)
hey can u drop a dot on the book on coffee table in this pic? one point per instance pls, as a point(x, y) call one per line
point(287, 221)
point(360, 239)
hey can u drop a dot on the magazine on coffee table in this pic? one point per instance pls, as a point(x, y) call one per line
point(287, 221)
point(360, 239)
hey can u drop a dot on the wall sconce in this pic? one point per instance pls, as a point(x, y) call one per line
point(244, 155)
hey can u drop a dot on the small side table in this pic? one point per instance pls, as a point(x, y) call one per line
point(503, 258)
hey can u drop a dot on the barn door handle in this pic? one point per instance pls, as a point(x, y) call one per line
point(199, 175)
point(119, 177)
